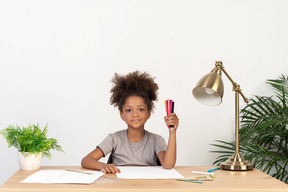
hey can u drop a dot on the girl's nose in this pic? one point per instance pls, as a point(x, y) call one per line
point(135, 114)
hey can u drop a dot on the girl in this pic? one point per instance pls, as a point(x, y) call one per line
point(134, 94)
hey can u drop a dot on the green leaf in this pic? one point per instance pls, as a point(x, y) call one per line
point(31, 139)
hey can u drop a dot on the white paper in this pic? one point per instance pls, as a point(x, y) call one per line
point(155, 172)
point(62, 176)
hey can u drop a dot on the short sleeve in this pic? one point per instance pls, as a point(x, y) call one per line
point(160, 144)
point(106, 145)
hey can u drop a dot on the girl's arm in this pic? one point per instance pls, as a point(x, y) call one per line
point(90, 161)
point(168, 157)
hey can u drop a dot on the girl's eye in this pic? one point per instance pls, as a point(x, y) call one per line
point(128, 110)
point(141, 109)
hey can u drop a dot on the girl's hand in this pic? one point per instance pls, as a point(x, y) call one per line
point(173, 120)
point(109, 168)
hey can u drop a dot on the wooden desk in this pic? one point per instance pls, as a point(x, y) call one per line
point(224, 181)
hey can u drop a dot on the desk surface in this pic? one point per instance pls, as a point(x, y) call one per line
point(231, 181)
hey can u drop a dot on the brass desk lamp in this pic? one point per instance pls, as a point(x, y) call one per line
point(209, 91)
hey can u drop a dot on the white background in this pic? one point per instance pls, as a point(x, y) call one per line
point(57, 59)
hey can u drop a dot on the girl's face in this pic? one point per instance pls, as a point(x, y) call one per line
point(135, 112)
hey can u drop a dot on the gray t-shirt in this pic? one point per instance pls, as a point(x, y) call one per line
point(125, 152)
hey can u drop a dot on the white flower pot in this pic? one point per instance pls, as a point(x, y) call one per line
point(29, 161)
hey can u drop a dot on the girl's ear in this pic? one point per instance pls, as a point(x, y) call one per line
point(149, 114)
point(122, 116)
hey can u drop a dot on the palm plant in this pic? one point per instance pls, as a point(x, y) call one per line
point(263, 132)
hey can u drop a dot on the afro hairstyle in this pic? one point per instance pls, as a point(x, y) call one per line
point(133, 84)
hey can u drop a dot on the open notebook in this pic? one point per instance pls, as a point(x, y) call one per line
point(63, 176)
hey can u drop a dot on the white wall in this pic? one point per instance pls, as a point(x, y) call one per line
point(57, 59)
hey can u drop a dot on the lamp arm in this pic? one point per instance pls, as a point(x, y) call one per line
point(236, 87)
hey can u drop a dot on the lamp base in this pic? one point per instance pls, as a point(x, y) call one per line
point(237, 163)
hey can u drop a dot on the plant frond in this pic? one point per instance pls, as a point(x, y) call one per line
point(30, 139)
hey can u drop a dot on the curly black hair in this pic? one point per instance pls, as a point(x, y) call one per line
point(133, 84)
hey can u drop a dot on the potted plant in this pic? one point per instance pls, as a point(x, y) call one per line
point(263, 132)
point(32, 144)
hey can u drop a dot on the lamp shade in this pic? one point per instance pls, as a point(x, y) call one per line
point(209, 90)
